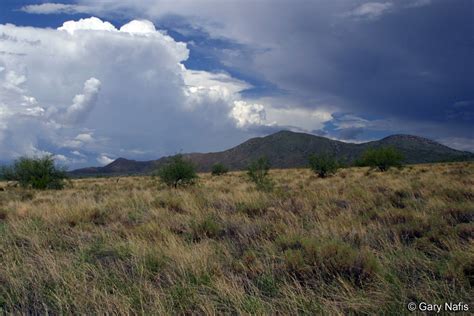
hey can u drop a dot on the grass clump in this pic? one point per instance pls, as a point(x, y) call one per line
point(267, 284)
point(252, 208)
point(209, 227)
point(327, 260)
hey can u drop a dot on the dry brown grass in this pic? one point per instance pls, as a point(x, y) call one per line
point(358, 242)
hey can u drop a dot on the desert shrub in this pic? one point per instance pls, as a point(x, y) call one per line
point(382, 158)
point(178, 171)
point(219, 169)
point(323, 165)
point(36, 173)
point(6, 173)
point(258, 173)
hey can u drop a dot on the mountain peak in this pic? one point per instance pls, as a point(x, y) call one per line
point(118, 161)
point(286, 132)
point(121, 159)
point(283, 132)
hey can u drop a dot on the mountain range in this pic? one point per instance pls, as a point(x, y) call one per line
point(287, 149)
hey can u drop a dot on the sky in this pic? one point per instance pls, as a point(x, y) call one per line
point(89, 81)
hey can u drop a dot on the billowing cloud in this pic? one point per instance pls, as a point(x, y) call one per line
point(373, 61)
point(246, 114)
point(139, 27)
point(371, 58)
point(82, 103)
point(205, 88)
point(89, 88)
point(303, 119)
point(91, 24)
point(138, 77)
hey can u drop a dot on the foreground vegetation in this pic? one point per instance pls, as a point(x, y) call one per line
point(37, 173)
point(358, 242)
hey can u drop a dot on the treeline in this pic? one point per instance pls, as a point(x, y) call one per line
point(42, 173)
point(180, 171)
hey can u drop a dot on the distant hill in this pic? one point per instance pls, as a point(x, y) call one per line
point(287, 149)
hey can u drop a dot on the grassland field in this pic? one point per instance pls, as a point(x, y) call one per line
point(359, 242)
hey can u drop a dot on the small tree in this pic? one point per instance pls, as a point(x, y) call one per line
point(258, 173)
point(323, 165)
point(219, 169)
point(6, 173)
point(36, 173)
point(382, 158)
point(178, 171)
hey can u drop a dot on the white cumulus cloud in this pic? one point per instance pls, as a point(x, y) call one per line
point(247, 114)
point(92, 23)
point(83, 103)
point(89, 87)
point(128, 85)
point(139, 27)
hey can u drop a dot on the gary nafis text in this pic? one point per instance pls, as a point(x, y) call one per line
point(438, 308)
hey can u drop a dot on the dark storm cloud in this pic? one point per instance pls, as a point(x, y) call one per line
point(412, 63)
point(409, 63)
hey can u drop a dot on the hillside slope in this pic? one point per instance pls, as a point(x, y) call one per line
point(287, 149)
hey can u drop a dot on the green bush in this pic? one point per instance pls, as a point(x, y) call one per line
point(258, 173)
point(323, 165)
point(36, 173)
point(219, 169)
point(178, 171)
point(382, 158)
